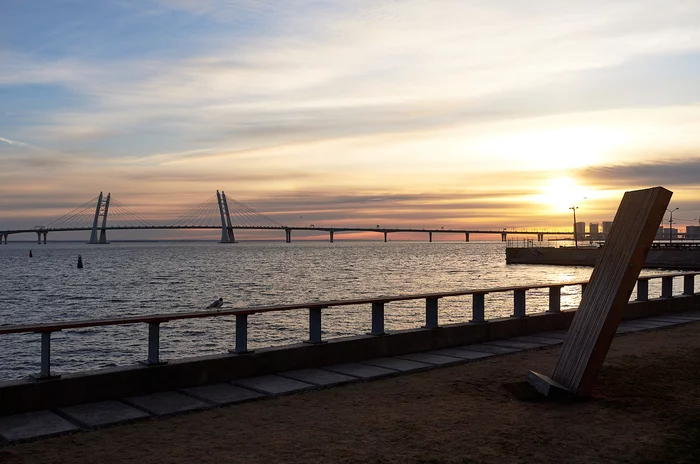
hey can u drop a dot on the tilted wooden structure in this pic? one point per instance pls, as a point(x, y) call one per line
point(607, 293)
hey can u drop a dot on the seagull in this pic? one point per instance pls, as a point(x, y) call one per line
point(216, 304)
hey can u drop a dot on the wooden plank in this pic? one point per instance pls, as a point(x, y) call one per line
point(616, 271)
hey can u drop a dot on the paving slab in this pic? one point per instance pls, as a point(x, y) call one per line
point(692, 313)
point(644, 324)
point(679, 319)
point(624, 329)
point(223, 393)
point(273, 384)
point(399, 364)
point(462, 353)
point(675, 320)
point(319, 377)
point(655, 323)
point(554, 335)
point(494, 349)
point(557, 332)
point(510, 343)
point(102, 413)
point(683, 315)
point(539, 340)
point(166, 403)
point(33, 425)
point(431, 357)
point(363, 371)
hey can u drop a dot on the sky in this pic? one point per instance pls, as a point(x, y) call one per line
point(456, 114)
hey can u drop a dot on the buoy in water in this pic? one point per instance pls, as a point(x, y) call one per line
point(80, 262)
point(30, 253)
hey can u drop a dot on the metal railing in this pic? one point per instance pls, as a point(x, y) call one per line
point(316, 313)
point(519, 242)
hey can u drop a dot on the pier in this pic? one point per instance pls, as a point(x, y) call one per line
point(677, 255)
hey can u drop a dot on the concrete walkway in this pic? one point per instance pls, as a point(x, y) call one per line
point(40, 424)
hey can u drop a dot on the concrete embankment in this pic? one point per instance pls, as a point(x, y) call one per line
point(569, 256)
point(28, 395)
point(645, 409)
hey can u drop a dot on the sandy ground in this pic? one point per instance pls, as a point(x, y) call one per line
point(646, 408)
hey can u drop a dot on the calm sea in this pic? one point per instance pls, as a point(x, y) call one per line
point(126, 279)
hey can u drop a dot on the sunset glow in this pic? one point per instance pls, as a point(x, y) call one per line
point(562, 193)
point(418, 113)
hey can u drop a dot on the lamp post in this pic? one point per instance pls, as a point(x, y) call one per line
point(670, 225)
point(574, 208)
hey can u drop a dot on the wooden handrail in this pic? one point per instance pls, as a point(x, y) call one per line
point(160, 318)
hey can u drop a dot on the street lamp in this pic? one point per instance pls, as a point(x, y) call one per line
point(574, 208)
point(670, 225)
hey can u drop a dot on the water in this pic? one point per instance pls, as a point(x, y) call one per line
point(127, 279)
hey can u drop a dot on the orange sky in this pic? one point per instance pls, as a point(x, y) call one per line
point(420, 114)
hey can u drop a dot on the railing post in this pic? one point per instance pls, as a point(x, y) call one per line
point(667, 287)
point(519, 303)
point(153, 343)
point(554, 299)
point(241, 333)
point(377, 318)
point(431, 313)
point(643, 289)
point(315, 325)
point(478, 307)
point(689, 285)
point(45, 372)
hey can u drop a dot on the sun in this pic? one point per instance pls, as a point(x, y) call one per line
point(561, 193)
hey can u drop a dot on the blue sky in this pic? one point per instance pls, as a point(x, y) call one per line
point(471, 114)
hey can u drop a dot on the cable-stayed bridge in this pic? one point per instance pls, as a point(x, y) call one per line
point(104, 213)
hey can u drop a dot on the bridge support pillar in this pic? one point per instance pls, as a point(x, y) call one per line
point(331, 235)
point(229, 226)
point(288, 235)
point(224, 230)
point(103, 229)
point(93, 235)
point(540, 237)
point(430, 236)
point(466, 236)
point(5, 235)
point(45, 233)
point(38, 238)
point(503, 237)
point(385, 234)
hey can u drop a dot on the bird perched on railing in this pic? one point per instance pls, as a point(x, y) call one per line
point(216, 304)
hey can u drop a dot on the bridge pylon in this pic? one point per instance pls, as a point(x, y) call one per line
point(103, 232)
point(101, 209)
point(226, 227)
point(229, 226)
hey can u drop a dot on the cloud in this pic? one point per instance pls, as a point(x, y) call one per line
point(13, 142)
point(679, 172)
point(388, 62)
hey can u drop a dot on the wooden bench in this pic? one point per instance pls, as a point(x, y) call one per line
point(607, 293)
